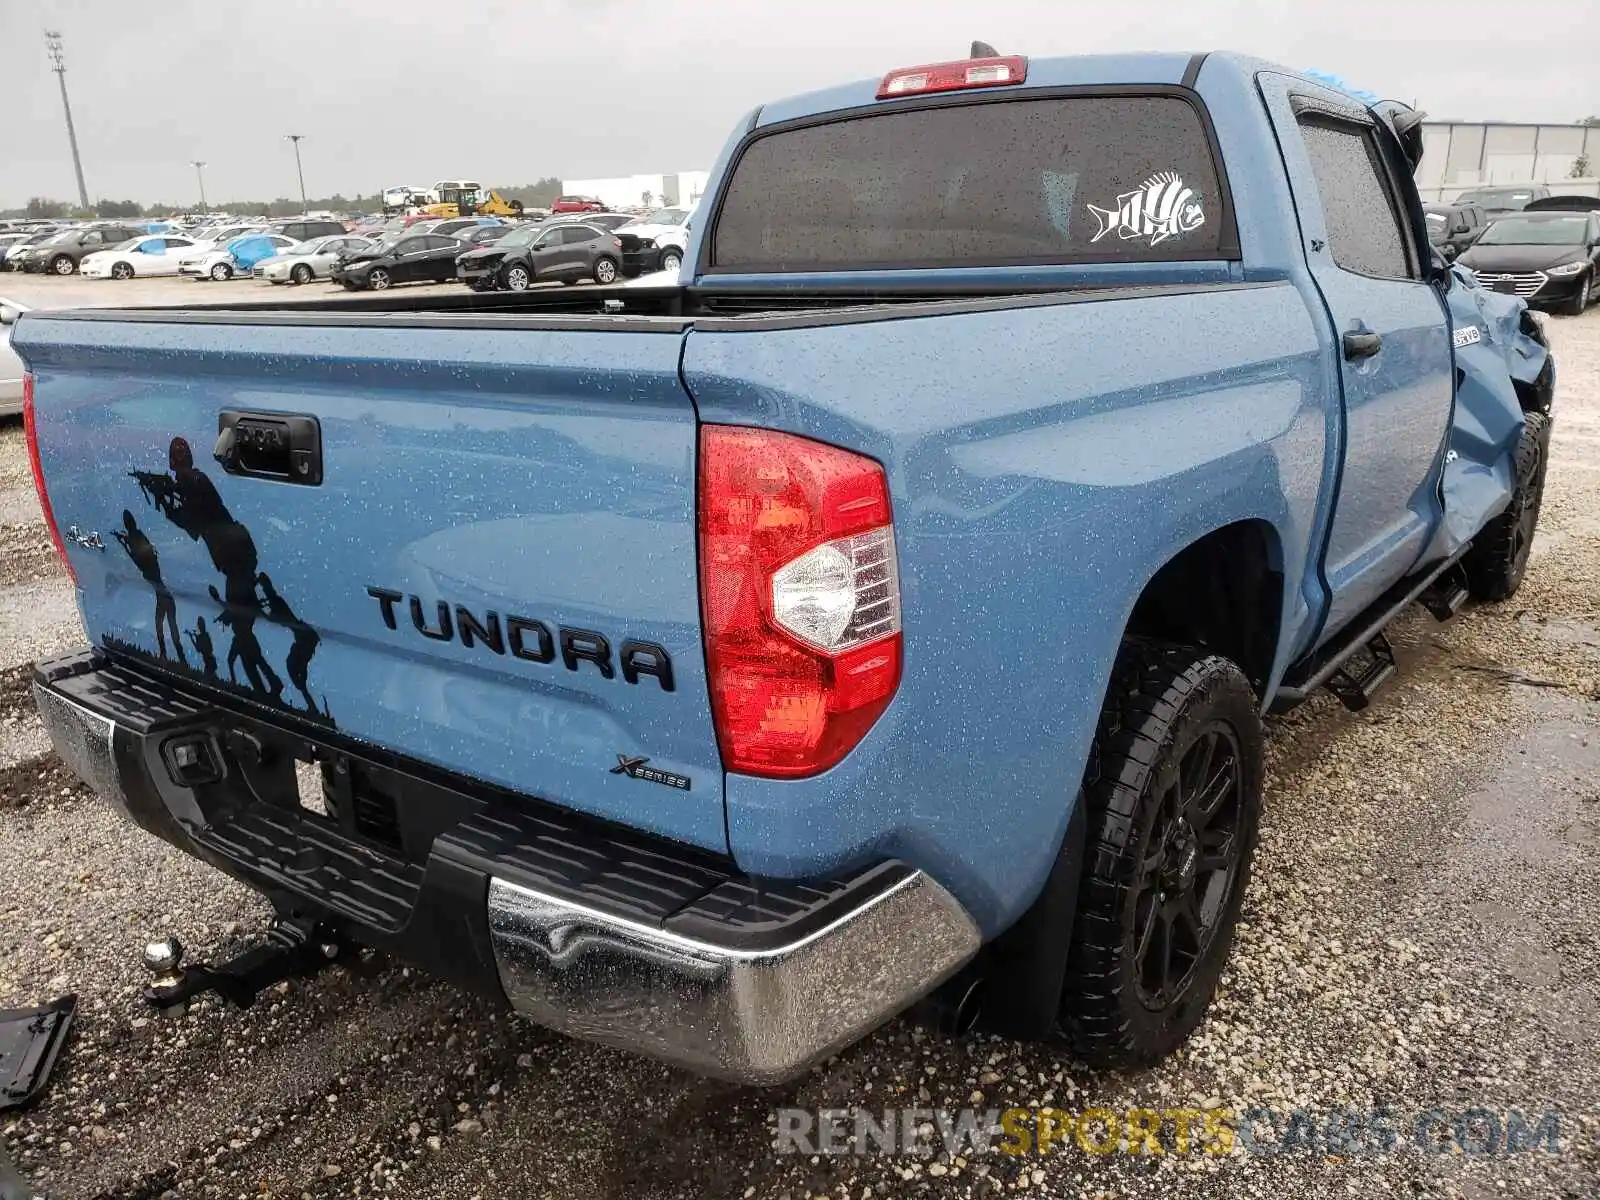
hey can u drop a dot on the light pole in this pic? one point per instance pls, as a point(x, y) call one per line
point(200, 174)
point(295, 138)
point(52, 41)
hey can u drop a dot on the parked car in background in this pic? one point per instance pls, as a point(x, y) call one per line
point(662, 236)
point(1512, 198)
point(600, 220)
point(61, 254)
point(417, 258)
point(8, 240)
point(486, 235)
point(240, 256)
point(310, 260)
point(1547, 258)
point(209, 240)
point(479, 267)
point(1565, 203)
point(456, 226)
point(555, 251)
point(10, 364)
point(576, 204)
point(153, 254)
point(11, 259)
point(303, 229)
point(1454, 227)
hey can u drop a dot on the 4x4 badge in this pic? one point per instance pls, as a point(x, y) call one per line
point(636, 767)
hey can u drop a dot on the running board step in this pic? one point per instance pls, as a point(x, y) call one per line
point(1441, 587)
point(1356, 689)
point(1446, 594)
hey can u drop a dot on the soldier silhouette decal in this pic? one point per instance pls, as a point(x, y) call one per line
point(190, 502)
point(143, 553)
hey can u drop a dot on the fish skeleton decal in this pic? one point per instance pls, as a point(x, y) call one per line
point(1163, 207)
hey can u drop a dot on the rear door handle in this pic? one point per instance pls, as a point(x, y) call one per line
point(1361, 345)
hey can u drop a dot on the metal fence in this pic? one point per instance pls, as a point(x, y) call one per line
point(1457, 155)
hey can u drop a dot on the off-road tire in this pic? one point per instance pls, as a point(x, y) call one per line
point(1498, 559)
point(1164, 701)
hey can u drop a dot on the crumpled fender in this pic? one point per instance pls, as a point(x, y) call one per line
point(1499, 347)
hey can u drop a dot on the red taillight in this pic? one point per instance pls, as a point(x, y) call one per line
point(800, 590)
point(954, 76)
point(30, 431)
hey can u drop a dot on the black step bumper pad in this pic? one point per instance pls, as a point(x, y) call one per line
point(586, 927)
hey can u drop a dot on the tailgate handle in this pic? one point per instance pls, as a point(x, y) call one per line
point(280, 446)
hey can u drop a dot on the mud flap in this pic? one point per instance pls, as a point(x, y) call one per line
point(30, 1040)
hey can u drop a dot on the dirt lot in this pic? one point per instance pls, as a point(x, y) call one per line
point(1420, 933)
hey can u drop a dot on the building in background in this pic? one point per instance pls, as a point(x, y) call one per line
point(1457, 155)
point(641, 191)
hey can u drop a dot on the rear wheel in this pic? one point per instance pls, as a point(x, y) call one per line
point(378, 279)
point(1174, 798)
point(222, 272)
point(63, 265)
point(122, 270)
point(1499, 556)
point(518, 279)
point(301, 273)
point(605, 270)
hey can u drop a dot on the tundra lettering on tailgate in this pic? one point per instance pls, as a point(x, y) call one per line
point(527, 639)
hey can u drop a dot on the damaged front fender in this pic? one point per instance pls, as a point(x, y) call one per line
point(1503, 369)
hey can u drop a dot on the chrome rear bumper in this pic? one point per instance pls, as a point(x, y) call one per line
point(755, 1016)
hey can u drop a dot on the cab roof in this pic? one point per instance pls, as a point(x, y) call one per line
point(1081, 70)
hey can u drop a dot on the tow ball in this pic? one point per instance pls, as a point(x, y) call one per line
point(292, 949)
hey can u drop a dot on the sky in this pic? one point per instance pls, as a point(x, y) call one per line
point(409, 91)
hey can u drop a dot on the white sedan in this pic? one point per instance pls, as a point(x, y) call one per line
point(153, 254)
point(312, 260)
point(210, 240)
point(221, 265)
point(666, 230)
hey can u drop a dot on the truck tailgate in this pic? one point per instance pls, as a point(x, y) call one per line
point(496, 572)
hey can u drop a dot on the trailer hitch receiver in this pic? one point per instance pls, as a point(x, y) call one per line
point(293, 948)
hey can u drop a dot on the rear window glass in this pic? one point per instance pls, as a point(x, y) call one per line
point(1074, 179)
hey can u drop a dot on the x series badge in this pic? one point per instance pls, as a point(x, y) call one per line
point(636, 767)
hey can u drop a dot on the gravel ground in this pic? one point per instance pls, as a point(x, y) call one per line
point(1419, 933)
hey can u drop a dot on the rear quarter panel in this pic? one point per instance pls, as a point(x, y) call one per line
point(1044, 461)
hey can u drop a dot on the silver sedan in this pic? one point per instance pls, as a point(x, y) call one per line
point(10, 364)
point(312, 260)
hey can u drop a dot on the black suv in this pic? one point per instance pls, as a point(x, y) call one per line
point(305, 230)
point(62, 253)
point(1454, 227)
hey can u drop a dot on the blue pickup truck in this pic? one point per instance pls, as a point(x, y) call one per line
point(885, 610)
